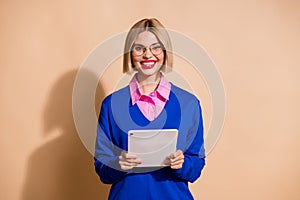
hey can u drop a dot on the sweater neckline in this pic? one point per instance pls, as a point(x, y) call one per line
point(145, 121)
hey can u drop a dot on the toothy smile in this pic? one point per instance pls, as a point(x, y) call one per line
point(148, 64)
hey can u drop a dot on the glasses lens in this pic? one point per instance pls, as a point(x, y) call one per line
point(156, 49)
point(138, 50)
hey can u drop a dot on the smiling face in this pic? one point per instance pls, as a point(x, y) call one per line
point(145, 57)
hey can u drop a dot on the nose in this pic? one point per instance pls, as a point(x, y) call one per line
point(147, 53)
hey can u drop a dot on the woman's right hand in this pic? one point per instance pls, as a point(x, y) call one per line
point(127, 161)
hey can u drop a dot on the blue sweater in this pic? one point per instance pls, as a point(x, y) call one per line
point(117, 116)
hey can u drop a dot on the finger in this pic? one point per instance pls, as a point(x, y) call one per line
point(176, 166)
point(180, 157)
point(134, 161)
point(129, 156)
point(129, 164)
point(125, 154)
point(178, 153)
point(167, 161)
point(130, 161)
point(175, 154)
point(178, 162)
point(171, 156)
point(125, 164)
point(125, 168)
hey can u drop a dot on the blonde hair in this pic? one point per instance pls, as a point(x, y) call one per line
point(155, 27)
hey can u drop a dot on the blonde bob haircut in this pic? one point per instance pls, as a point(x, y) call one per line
point(155, 27)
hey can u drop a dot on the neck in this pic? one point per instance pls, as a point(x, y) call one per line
point(148, 83)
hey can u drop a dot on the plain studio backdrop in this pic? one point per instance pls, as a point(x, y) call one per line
point(254, 44)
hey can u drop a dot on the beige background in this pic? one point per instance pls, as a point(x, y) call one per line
point(255, 45)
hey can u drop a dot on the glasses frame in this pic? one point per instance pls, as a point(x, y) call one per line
point(144, 49)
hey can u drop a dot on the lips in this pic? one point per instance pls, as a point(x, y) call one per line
point(148, 64)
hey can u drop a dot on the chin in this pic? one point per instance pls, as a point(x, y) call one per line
point(148, 73)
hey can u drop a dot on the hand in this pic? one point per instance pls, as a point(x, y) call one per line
point(175, 160)
point(127, 161)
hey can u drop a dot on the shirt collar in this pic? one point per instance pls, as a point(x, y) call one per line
point(135, 92)
point(163, 89)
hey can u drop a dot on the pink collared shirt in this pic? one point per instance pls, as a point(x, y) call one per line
point(151, 105)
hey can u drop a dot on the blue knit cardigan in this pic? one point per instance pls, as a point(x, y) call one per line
point(117, 116)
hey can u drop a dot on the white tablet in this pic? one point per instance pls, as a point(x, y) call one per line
point(152, 146)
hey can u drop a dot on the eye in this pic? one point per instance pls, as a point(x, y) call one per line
point(156, 47)
point(138, 48)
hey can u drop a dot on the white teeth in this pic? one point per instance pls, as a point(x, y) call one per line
point(148, 63)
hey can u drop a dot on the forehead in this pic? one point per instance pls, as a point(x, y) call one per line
point(146, 38)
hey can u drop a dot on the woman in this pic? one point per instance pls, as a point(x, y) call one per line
point(149, 102)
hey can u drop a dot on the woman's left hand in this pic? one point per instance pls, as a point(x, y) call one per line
point(175, 160)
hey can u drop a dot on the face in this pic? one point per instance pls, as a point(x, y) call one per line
point(147, 57)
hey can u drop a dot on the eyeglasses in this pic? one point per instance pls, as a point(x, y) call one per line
point(139, 49)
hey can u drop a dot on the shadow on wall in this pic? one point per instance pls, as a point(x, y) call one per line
point(62, 169)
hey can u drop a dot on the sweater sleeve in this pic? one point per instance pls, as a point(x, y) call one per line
point(194, 154)
point(106, 153)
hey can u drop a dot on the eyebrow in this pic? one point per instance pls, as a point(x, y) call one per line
point(144, 45)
